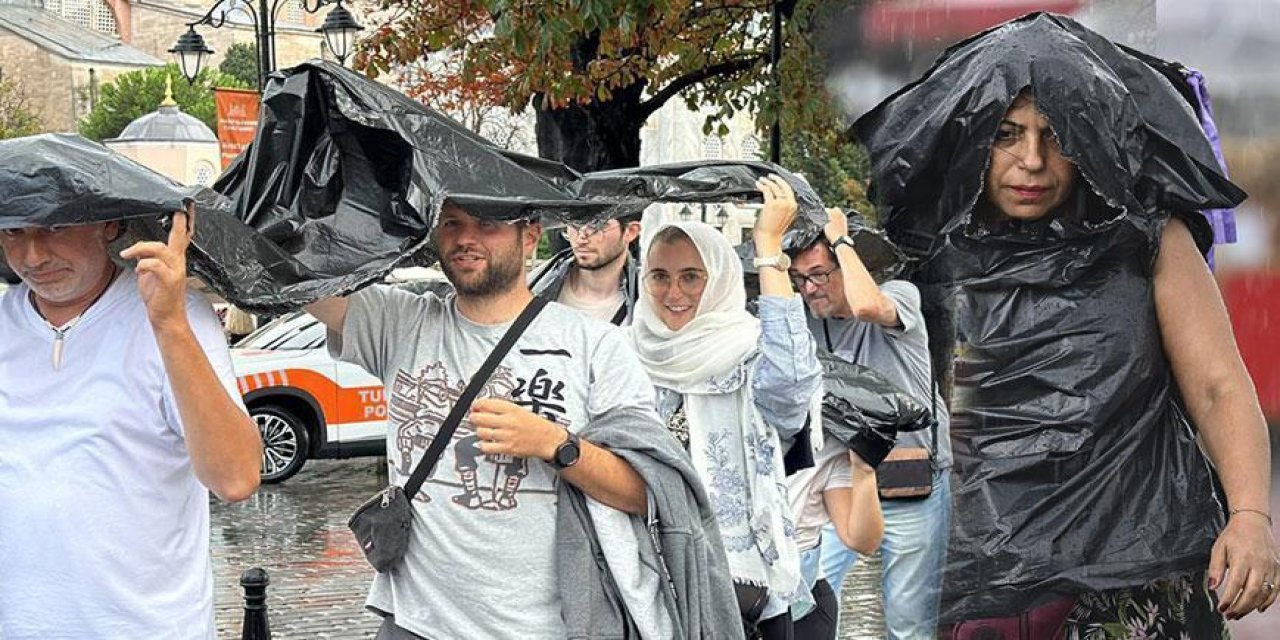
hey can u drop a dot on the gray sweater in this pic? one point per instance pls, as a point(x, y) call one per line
point(700, 594)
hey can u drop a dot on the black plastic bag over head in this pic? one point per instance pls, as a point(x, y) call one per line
point(1076, 466)
point(56, 179)
point(1133, 137)
point(345, 179)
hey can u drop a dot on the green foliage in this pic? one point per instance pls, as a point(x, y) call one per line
point(241, 63)
point(17, 118)
point(836, 169)
point(557, 53)
point(136, 93)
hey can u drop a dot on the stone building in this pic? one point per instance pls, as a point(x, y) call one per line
point(62, 51)
point(171, 143)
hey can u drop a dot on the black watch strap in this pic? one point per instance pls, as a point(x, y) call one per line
point(843, 240)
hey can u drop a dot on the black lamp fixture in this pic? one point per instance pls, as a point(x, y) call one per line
point(339, 30)
point(686, 214)
point(191, 51)
point(723, 215)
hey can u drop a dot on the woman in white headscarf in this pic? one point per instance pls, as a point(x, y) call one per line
point(732, 388)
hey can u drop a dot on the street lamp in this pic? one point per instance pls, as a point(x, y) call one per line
point(723, 216)
point(686, 214)
point(339, 31)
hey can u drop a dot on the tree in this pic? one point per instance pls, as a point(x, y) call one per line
point(17, 118)
point(594, 70)
point(136, 93)
point(241, 63)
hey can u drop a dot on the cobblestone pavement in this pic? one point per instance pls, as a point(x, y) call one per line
point(297, 531)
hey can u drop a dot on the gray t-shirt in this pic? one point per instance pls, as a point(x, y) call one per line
point(481, 561)
point(901, 354)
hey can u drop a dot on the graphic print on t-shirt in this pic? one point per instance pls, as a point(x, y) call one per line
point(420, 403)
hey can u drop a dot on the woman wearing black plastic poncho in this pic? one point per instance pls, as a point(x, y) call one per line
point(1050, 183)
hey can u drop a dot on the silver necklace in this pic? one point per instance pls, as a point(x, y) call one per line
point(60, 333)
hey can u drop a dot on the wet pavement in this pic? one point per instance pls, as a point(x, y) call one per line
point(297, 531)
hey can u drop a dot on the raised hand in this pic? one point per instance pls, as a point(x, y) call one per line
point(162, 271)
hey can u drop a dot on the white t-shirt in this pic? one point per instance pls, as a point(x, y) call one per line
point(482, 548)
point(831, 470)
point(604, 311)
point(104, 529)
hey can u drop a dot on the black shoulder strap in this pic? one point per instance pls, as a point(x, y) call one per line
point(450, 424)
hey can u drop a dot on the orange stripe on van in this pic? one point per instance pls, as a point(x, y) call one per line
point(338, 404)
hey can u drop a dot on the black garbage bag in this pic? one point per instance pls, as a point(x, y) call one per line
point(866, 412)
point(62, 179)
point(53, 179)
point(1076, 466)
point(345, 178)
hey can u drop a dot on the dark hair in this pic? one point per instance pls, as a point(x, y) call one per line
point(819, 239)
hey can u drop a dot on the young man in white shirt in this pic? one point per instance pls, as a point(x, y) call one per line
point(118, 414)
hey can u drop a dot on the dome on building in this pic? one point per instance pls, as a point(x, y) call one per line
point(167, 124)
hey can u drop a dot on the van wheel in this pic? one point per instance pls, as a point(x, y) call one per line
point(284, 442)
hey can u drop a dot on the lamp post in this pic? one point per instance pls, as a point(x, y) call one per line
point(339, 30)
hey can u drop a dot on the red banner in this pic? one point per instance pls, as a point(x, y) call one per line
point(237, 120)
point(1253, 298)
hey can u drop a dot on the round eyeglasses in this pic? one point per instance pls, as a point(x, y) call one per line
point(690, 282)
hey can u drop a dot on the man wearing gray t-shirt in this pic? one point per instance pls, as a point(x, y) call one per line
point(880, 327)
point(544, 478)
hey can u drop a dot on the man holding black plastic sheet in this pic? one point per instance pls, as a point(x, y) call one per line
point(118, 407)
point(597, 274)
point(561, 454)
point(880, 327)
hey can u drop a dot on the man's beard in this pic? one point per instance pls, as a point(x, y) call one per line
point(603, 259)
point(499, 276)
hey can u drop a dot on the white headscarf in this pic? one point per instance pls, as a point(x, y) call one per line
point(720, 336)
point(710, 362)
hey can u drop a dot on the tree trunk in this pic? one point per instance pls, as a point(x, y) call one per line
point(595, 136)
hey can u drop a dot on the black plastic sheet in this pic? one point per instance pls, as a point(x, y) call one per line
point(50, 180)
point(1076, 466)
point(866, 412)
point(1132, 135)
point(345, 178)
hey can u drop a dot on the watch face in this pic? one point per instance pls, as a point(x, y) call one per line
point(568, 453)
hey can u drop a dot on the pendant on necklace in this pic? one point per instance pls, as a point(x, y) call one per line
point(58, 341)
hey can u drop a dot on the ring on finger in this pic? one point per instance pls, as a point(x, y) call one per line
point(1268, 585)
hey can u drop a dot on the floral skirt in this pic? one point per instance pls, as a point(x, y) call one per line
point(1177, 607)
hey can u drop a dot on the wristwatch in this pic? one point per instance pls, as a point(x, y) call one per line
point(568, 453)
point(781, 262)
point(843, 240)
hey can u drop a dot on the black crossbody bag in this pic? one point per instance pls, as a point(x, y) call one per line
point(381, 525)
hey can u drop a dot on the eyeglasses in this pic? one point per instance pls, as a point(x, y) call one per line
point(818, 278)
point(690, 282)
point(585, 231)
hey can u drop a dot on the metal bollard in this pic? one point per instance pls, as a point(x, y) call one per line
point(255, 583)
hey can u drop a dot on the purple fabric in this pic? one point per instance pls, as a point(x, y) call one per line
point(1223, 221)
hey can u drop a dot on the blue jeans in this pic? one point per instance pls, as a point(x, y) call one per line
point(914, 553)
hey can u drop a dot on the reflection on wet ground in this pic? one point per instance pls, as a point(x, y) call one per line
point(298, 532)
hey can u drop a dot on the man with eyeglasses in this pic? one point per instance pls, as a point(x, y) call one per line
point(597, 274)
point(881, 327)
